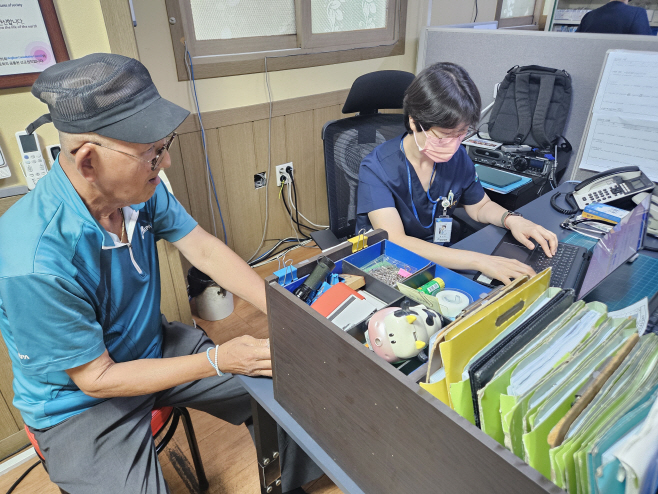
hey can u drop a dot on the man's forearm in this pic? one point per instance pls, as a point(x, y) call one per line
point(146, 376)
point(214, 258)
point(233, 273)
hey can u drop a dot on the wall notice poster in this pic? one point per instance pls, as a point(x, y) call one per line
point(24, 43)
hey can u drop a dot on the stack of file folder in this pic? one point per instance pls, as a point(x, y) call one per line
point(564, 386)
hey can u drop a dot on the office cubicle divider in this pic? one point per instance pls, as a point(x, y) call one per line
point(487, 55)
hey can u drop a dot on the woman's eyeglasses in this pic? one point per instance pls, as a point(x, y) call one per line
point(155, 162)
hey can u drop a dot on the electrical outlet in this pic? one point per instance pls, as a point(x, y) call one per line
point(260, 180)
point(281, 173)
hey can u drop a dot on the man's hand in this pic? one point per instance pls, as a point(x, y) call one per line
point(502, 268)
point(523, 230)
point(245, 355)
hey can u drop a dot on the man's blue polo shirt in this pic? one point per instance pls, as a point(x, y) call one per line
point(67, 292)
point(383, 183)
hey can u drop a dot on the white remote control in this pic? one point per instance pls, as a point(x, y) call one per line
point(5, 172)
point(33, 164)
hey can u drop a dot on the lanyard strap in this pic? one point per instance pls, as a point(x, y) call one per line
point(413, 206)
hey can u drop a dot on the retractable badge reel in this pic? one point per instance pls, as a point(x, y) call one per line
point(443, 224)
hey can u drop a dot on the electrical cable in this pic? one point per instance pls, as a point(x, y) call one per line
point(570, 201)
point(282, 253)
point(209, 175)
point(299, 226)
point(20, 479)
point(294, 190)
point(22, 448)
point(269, 252)
point(292, 178)
point(269, 161)
point(476, 11)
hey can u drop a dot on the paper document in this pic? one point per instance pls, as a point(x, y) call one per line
point(639, 310)
point(629, 85)
point(623, 130)
point(615, 141)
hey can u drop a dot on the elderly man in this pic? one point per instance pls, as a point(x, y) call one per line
point(80, 289)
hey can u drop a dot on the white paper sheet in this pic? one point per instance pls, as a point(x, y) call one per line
point(623, 130)
point(639, 310)
point(629, 85)
point(615, 141)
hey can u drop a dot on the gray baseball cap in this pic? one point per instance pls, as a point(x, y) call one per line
point(108, 94)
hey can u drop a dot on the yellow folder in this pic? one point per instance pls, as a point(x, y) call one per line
point(465, 337)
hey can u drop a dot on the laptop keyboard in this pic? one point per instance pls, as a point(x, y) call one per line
point(562, 263)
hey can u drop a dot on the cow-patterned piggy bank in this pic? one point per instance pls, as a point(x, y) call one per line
point(401, 333)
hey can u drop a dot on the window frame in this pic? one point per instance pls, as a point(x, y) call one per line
point(219, 58)
point(528, 20)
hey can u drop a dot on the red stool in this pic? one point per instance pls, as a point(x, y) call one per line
point(160, 417)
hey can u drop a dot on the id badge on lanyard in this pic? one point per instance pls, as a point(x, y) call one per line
point(443, 224)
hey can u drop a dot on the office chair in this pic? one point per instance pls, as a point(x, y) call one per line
point(349, 140)
point(160, 417)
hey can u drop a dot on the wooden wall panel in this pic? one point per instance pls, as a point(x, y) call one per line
point(239, 149)
point(11, 444)
point(195, 178)
point(217, 167)
point(176, 175)
point(10, 418)
point(278, 225)
point(300, 144)
point(239, 159)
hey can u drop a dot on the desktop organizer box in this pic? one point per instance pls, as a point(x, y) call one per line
point(380, 427)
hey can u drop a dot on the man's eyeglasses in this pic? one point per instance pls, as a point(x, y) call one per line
point(155, 162)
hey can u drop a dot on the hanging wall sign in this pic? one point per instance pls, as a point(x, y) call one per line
point(30, 41)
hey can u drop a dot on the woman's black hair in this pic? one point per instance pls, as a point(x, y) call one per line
point(443, 95)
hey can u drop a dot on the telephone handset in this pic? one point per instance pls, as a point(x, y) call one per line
point(611, 185)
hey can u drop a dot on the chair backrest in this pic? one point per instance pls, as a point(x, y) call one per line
point(349, 140)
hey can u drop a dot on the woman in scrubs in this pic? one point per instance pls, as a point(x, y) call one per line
point(410, 185)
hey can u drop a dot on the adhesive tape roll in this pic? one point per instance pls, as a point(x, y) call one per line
point(452, 302)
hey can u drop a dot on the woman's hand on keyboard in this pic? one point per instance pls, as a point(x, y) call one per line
point(503, 269)
point(525, 230)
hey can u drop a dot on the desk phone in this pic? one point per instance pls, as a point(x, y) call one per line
point(612, 185)
point(32, 162)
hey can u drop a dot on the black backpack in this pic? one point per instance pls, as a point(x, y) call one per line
point(531, 107)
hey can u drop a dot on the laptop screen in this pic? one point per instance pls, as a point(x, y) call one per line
point(617, 246)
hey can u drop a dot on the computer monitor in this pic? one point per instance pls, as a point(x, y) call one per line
point(617, 246)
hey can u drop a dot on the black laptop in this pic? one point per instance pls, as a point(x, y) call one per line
point(574, 266)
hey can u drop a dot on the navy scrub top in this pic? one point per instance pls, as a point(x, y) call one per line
point(383, 183)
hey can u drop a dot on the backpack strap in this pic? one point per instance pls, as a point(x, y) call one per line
point(546, 85)
point(522, 96)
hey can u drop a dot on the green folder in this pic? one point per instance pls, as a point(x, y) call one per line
point(513, 420)
point(636, 377)
point(545, 415)
point(493, 400)
point(460, 393)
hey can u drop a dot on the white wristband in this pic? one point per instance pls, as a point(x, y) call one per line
point(214, 364)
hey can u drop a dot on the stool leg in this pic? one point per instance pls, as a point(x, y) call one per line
point(194, 449)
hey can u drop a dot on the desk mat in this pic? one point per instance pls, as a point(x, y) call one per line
point(628, 284)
